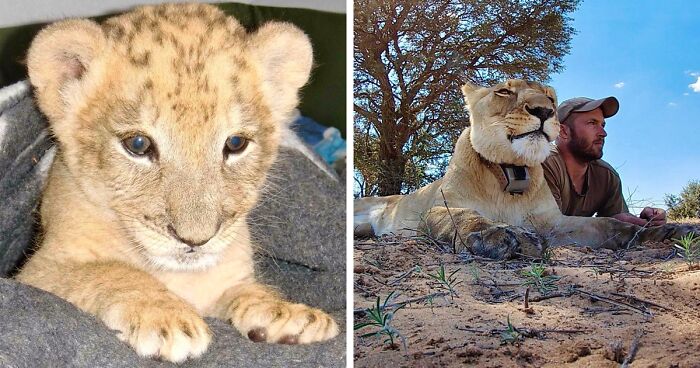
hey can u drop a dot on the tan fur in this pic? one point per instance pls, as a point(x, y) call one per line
point(481, 216)
point(188, 77)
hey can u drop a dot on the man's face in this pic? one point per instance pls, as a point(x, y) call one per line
point(586, 133)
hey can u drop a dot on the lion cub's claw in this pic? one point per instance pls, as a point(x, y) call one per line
point(504, 242)
point(173, 333)
point(260, 335)
point(285, 323)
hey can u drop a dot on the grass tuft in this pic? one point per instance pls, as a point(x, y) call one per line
point(537, 278)
point(689, 245)
point(381, 318)
point(445, 281)
point(510, 335)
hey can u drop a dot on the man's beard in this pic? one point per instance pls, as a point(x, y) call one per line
point(584, 151)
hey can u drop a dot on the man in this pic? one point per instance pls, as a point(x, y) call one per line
point(582, 183)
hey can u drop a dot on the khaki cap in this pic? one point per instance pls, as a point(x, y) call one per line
point(609, 105)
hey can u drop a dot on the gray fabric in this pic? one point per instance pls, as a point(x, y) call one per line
point(300, 231)
point(42, 330)
point(300, 228)
point(23, 167)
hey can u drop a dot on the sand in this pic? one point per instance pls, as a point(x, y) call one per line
point(649, 313)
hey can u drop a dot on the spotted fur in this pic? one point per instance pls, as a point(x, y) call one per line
point(151, 243)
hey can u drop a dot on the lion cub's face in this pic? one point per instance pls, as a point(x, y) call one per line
point(169, 117)
point(513, 122)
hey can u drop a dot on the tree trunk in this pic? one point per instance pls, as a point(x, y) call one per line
point(391, 177)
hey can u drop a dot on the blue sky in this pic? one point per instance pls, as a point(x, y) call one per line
point(647, 54)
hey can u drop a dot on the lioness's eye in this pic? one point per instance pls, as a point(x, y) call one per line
point(235, 144)
point(504, 92)
point(138, 145)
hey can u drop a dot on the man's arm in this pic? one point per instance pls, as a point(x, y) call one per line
point(629, 218)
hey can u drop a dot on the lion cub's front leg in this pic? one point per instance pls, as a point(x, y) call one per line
point(262, 315)
point(480, 235)
point(147, 316)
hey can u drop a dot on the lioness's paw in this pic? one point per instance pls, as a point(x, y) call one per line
point(504, 242)
point(169, 330)
point(281, 322)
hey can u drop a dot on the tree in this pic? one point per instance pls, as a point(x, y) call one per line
point(687, 204)
point(410, 59)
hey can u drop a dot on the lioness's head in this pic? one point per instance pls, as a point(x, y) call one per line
point(512, 122)
point(168, 118)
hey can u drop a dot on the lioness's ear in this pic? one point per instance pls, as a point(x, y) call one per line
point(468, 88)
point(57, 60)
point(285, 57)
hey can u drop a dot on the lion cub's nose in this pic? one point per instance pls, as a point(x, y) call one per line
point(541, 113)
point(191, 242)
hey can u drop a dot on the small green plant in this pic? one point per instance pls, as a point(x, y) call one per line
point(690, 249)
point(595, 271)
point(430, 300)
point(380, 318)
point(446, 282)
point(474, 271)
point(547, 255)
point(374, 262)
point(667, 268)
point(510, 335)
point(536, 278)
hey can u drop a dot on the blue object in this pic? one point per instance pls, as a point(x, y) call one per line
point(325, 141)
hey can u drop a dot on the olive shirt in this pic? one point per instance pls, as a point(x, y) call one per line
point(602, 189)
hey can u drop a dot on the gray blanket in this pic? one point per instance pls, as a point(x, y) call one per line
point(300, 230)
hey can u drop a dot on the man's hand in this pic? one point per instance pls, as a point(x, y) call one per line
point(648, 217)
point(655, 216)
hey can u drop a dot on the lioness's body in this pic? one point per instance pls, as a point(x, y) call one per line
point(499, 206)
point(152, 238)
point(489, 219)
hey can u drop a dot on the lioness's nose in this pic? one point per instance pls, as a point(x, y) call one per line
point(191, 242)
point(541, 113)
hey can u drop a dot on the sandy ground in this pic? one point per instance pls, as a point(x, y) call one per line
point(642, 304)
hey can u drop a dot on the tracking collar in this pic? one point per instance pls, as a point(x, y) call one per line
point(512, 179)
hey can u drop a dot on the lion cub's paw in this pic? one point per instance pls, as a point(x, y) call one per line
point(169, 330)
point(504, 242)
point(277, 321)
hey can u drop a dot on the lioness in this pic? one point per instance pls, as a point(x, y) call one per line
point(497, 202)
point(168, 119)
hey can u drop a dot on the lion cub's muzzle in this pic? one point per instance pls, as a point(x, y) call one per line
point(193, 241)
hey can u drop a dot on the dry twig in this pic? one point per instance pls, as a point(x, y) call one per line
point(632, 297)
point(612, 301)
point(457, 234)
point(402, 276)
point(633, 350)
point(557, 294)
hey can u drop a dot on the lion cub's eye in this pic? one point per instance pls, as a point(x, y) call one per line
point(138, 145)
point(235, 144)
point(504, 92)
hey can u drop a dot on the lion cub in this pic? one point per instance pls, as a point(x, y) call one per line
point(167, 120)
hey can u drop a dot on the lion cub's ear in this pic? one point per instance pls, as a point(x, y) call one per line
point(58, 59)
point(285, 57)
